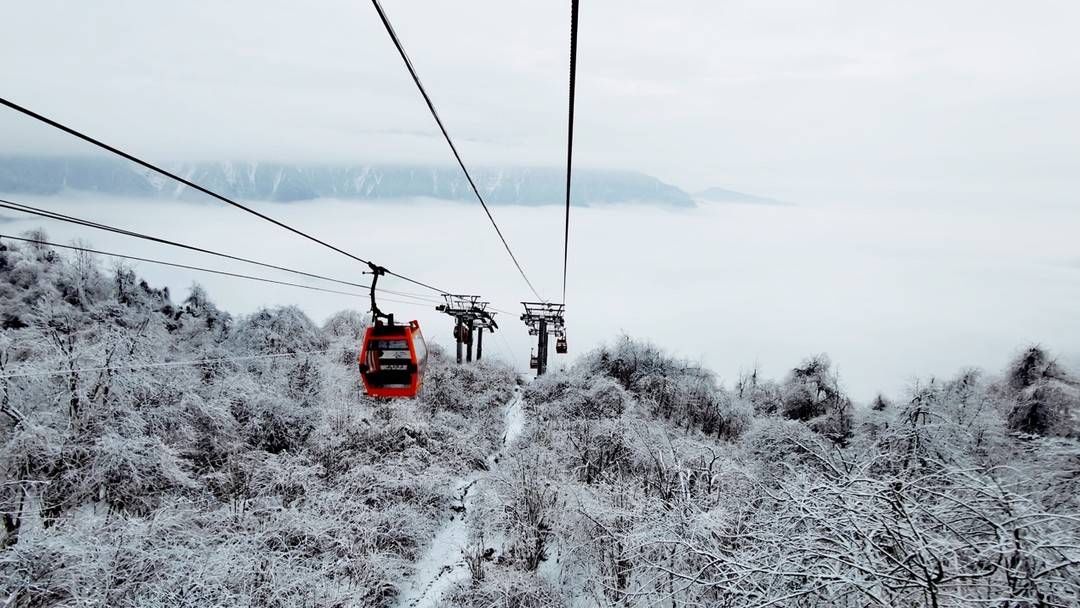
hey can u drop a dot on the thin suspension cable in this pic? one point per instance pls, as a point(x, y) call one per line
point(6, 204)
point(570, 140)
point(204, 190)
point(170, 364)
point(453, 148)
point(198, 268)
point(513, 359)
point(507, 354)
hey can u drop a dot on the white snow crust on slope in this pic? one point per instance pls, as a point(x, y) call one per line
point(442, 564)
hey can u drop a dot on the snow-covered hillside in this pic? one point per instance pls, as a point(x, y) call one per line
point(159, 453)
point(260, 478)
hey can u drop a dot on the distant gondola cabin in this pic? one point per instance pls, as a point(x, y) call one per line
point(392, 360)
point(560, 346)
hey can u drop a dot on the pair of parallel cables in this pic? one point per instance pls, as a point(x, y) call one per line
point(157, 169)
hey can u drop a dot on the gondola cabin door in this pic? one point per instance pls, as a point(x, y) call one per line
point(392, 360)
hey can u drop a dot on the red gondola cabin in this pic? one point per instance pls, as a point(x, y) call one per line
point(392, 360)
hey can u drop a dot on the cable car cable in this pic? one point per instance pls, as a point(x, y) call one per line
point(191, 184)
point(570, 139)
point(197, 268)
point(177, 265)
point(446, 135)
point(6, 204)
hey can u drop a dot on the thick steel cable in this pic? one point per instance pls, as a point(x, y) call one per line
point(204, 190)
point(570, 140)
point(23, 208)
point(453, 148)
point(196, 268)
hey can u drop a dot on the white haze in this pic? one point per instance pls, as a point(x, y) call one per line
point(890, 294)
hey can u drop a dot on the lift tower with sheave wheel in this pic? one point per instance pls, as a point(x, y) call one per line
point(544, 319)
point(486, 320)
point(470, 315)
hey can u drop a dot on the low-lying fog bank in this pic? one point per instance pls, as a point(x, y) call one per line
point(889, 294)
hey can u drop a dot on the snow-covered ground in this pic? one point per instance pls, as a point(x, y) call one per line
point(442, 564)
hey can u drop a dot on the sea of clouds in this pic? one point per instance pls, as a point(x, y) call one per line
point(890, 294)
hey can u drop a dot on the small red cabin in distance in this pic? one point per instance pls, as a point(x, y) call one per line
point(392, 360)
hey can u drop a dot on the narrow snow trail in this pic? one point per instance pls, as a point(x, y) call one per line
point(442, 564)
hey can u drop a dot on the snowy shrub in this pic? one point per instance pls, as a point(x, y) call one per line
point(344, 332)
point(781, 445)
point(509, 589)
point(733, 419)
point(287, 477)
point(1046, 399)
point(552, 387)
point(678, 391)
point(303, 378)
point(811, 393)
point(880, 403)
point(950, 423)
point(604, 398)
point(918, 438)
point(34, 448)
point(441, 392)
point(1046, 409)
point(130, 474)
point(597, 449)
point(575, 395)
point(347, 326)
point(765, 395)
point(532, 504)
point(199, 324)
point(276, 330)
point(1032, 366)
point(211, 432)
point(629, 361)
point(465, 389)
point(696, 402)
point(277, 425)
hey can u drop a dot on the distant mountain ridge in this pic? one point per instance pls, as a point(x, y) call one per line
point(721, 195)
point(288, 183)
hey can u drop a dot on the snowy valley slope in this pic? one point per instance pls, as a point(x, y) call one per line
point(264, 478)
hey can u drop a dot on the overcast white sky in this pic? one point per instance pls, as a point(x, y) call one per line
point(828, 101)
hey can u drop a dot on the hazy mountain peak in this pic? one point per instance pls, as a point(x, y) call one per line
point(271, 181)
point(722, 195)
